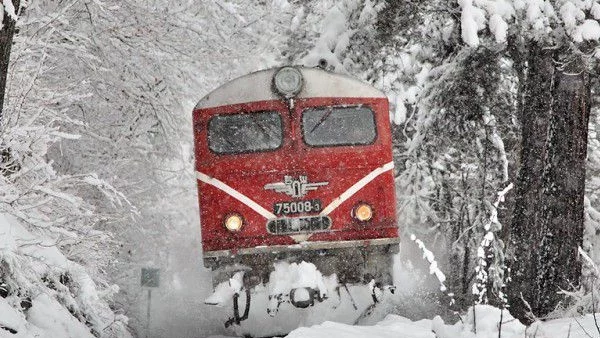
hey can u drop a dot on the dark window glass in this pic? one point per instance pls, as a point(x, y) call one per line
point(336, 126)
point(244, 133)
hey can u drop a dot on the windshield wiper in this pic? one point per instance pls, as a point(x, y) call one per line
point(323, 118)
point(266, 133)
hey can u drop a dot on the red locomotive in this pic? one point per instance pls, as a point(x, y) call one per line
point(296, 164)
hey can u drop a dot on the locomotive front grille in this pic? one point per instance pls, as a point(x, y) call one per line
point(298, 225)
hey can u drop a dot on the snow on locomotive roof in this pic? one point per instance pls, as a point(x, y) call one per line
point(257, 86)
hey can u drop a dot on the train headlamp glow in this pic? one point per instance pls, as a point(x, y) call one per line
point(234, 222)
point(363, 212)
point(288, 81)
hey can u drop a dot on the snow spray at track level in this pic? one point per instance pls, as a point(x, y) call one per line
point(295, 183)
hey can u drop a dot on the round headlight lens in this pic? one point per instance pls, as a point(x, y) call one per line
point(288, 81)
point(234, 222)
point(363, 212)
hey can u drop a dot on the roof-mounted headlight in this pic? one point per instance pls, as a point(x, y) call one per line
point(288, 82)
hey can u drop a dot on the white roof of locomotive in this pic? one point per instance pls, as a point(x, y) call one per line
point(257, 86)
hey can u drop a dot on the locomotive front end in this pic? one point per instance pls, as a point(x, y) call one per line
point(293, 165)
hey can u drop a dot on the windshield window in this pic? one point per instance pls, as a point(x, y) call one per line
point(244, 133)
point(336, 126)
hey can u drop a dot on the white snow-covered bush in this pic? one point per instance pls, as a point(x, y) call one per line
point(47, 295)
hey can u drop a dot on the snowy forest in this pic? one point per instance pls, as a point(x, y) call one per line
point(496, 154)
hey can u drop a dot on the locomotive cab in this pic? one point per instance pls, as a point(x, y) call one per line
point(295, 164)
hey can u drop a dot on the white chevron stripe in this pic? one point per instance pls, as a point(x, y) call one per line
point(356, 187)
point(235, 194)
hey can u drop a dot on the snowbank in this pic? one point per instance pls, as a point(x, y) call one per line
point(487, 319)
point(54, 320)
point(391, 327)
point(46, 295)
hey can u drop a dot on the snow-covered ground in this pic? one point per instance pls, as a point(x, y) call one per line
point(485, 325)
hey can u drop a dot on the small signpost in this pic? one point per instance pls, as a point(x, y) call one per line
point(150, 278)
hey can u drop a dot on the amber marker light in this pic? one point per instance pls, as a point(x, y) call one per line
point(363, 212)
point(234, 222)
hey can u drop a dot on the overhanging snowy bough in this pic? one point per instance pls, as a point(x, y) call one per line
point(295, 186)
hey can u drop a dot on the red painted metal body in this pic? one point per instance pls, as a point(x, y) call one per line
point(340, 166)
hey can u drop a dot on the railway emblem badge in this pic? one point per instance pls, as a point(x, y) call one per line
point(295, 187)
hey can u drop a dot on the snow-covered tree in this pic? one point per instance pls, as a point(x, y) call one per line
point(54, 250)
point(542, 51)
point(548, 43)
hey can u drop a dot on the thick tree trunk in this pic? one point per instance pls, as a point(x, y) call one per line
point(562, 217)
point(535, 119)
point(6, 38)
point(547, 225)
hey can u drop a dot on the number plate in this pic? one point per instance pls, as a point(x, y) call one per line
point(297, 207)
point(298, 225)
